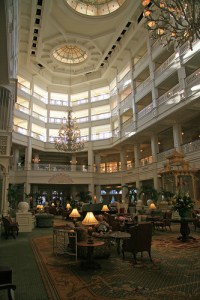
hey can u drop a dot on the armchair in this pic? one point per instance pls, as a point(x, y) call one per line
point(140, 240)
point(10, 290)
point(165, 221)
point(10, 227)
point(6, 283)
point(196, 217)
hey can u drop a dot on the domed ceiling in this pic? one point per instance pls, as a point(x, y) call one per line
point(95, 7)
point(76, 41)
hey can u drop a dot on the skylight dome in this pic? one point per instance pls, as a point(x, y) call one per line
point(95, 7)
point(70, 54)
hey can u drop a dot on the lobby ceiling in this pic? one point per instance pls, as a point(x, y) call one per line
point(46, 26)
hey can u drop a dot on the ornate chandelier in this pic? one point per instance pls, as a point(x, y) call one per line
point(69, 139)
point(173, 21)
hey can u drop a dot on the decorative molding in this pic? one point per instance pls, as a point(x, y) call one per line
point(3, 145)
point(60, 179)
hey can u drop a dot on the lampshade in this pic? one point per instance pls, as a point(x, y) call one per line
point(74, 213)
point(68, 206)
point(90, 219)
point(39, 206)
point(152, 206)
point(105, 208)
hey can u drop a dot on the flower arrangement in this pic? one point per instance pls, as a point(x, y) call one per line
point(182, 202)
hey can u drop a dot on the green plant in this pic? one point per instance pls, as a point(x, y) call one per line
point(182, 201)
point(14, 196)
point(131, 193)
point(167, 194)
point(149, 192)
point(85, 196)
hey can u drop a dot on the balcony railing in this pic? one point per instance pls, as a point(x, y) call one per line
point(145, 111)
point(165, 65)
point(100, 97)
point(38, 116)
point(101, 116)
point(101, 136)
point(20, 130)
point(59, 168)
point(58, 102)
point(38, 136)
point(22, 108)
point(24, 88)
point(40, 97)
point(79, 101)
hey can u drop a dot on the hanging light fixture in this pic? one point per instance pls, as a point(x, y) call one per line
point(69, 137)
point(173, 21)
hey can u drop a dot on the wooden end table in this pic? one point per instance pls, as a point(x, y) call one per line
point(90, 263)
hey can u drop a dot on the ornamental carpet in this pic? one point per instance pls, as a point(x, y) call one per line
point(174, 273)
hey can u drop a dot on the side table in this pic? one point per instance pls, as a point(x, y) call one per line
point(118, 236)
point(90, 263)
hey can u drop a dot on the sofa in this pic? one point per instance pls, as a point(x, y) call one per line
point(44, 220)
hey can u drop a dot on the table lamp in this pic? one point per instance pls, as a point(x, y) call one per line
point(152, 206)
point(68, 206)
point(74, 215)
point(89, 221)
point(105, 208)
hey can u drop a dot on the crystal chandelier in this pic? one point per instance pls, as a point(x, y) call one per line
point(69, 139)
point(173, 21)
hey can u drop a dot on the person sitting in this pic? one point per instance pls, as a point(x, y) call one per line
point(102, 227)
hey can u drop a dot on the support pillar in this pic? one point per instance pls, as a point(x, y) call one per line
point(154, 147)
point(137, 155)
point(5, 193)
point(177, 135)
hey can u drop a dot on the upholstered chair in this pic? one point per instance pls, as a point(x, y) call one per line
point(165, 222)
point(10, 227)
point(140, 240)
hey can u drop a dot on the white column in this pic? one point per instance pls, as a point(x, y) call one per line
point(5, 193)
point(97, 162)
point(28, 155)
point(152, 73)
point(73, 163)
point(15, 158)
point(98, 193)
point(180, 69)
point(90, 157)
point(137, 155)
point(91, 169)
point(123, 160)
point(154, 147)
point(177, 135)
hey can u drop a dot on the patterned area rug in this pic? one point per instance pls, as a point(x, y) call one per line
point(174, 273)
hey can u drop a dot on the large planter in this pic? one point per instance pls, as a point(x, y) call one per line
point(185, 213)
point(23, 206)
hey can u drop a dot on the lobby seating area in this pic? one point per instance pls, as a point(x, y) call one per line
point(135, 250)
